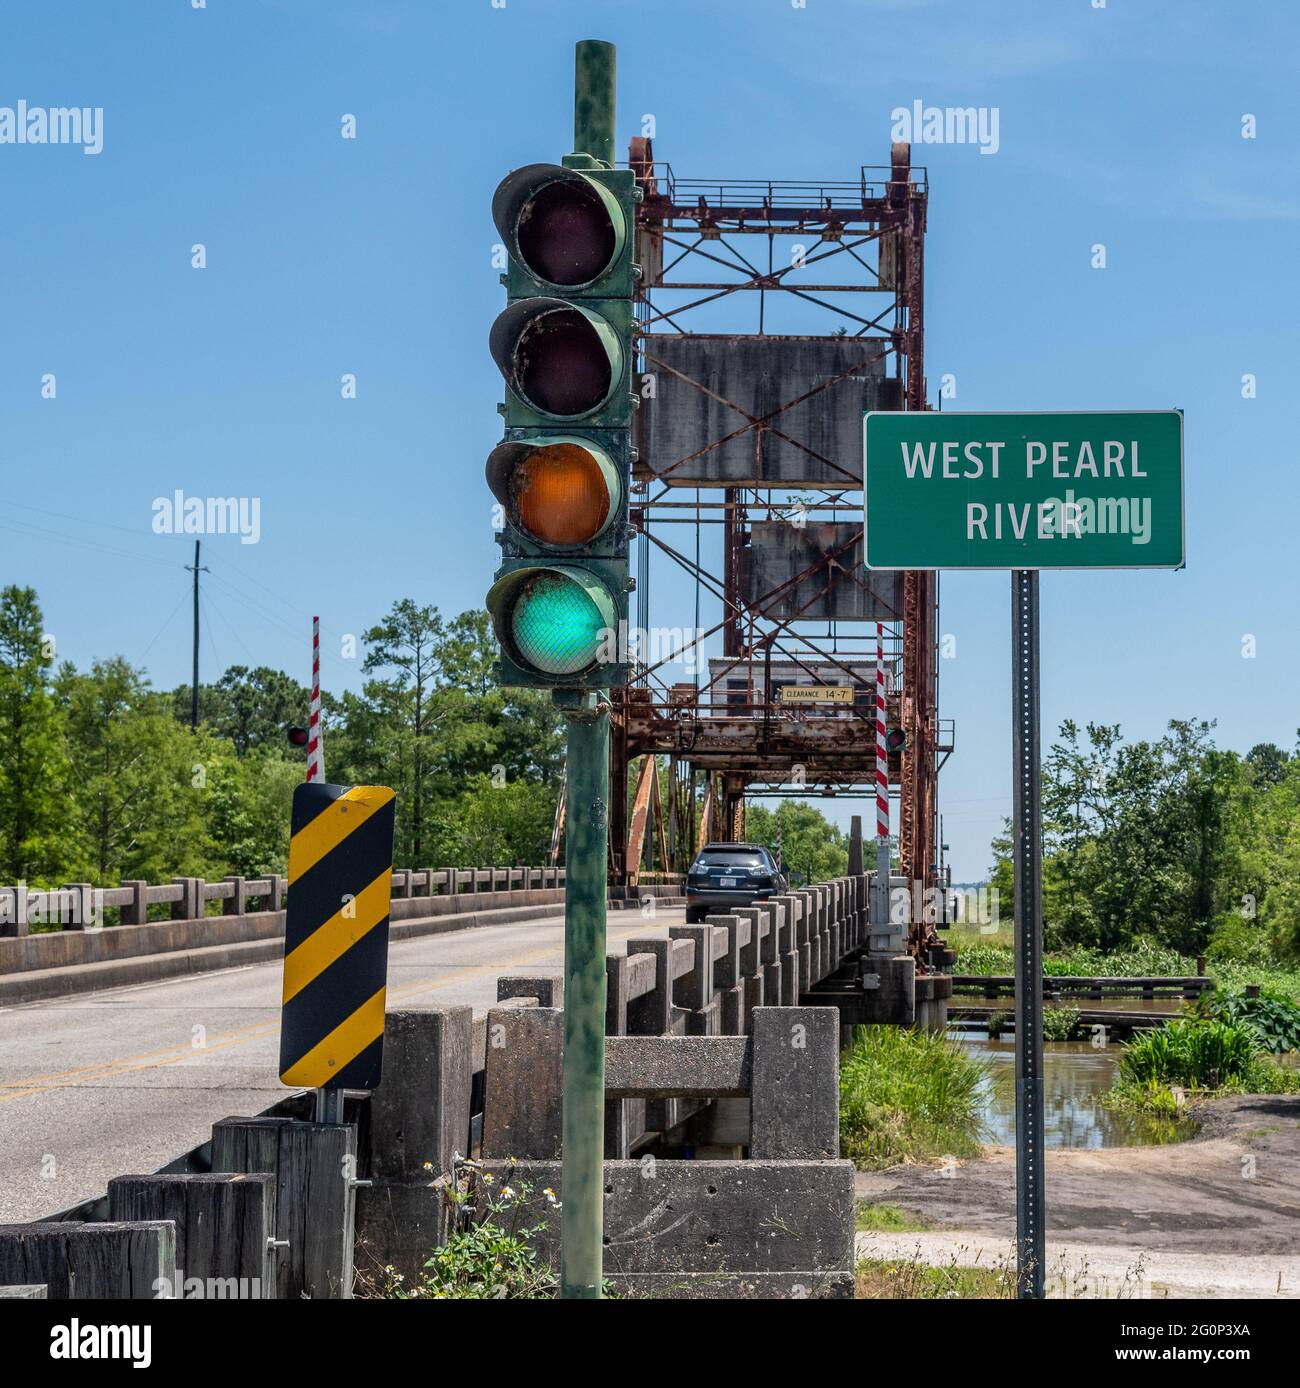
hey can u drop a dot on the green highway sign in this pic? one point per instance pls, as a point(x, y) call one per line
point(1092, 490)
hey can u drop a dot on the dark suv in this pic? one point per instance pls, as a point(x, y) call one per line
point(726, 875)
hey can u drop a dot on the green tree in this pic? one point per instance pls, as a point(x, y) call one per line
point(494, 822)
point(809, 841)
point(247, 808)
point(259, 705)
point(411, 642)
point(35, 777)
point(137, 810)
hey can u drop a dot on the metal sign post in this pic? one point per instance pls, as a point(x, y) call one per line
point(1027, 845)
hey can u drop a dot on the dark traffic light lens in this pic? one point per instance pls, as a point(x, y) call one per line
point(561, 495)
point(560, 364)
point(565, 234)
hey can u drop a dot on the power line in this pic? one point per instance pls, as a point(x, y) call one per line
point(164, 626)
point(76, 542)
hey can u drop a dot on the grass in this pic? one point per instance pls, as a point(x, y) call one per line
point(1195, 1052)
point(889, 1219)
point(908, 1096)
point(1193, 1058)
point(912, 1279)
point(909, 1279)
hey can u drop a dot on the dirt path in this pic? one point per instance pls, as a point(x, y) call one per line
point(1218, 1215)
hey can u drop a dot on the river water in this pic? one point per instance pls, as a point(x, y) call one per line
point(1075, 1076)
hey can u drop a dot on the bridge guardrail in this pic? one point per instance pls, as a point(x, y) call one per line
point(81, 905)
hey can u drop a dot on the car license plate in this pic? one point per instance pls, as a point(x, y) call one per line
point(726, 881)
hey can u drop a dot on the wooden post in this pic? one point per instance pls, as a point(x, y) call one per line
point(314, 1170)
point(94, 1261)
point(224, 1227)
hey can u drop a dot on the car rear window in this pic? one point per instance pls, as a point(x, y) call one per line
point(737, 859)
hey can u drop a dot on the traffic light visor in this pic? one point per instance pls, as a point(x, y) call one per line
point(552, 620)
point(561, 359)
point(564, 228)
point(563, 492)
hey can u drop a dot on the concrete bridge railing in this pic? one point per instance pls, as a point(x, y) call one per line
point(83, 906)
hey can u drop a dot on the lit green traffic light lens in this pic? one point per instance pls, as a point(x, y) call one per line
point(557, 627)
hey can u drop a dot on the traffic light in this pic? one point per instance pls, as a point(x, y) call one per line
point(563, 345)
point(895, 740)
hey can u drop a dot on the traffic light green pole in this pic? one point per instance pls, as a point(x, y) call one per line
point(593, 100)
point(585, 857)
point(586, 854)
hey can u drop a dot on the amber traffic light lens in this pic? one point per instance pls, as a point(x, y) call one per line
point(565, 235)
point(561, 496)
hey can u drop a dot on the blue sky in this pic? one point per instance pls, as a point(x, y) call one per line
point(1120, 125)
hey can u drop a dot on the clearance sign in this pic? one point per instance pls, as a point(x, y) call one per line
point(1024, 491)
point(815, 694)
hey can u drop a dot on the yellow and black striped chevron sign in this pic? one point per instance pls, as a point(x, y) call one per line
point(336, 936)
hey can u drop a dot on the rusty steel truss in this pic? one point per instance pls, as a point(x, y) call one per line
point(746, 740)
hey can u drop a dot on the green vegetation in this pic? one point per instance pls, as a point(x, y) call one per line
point(809, 842)
point(1168, 845)
point(493, 1259)
point(1272, 1016)
point(1061, 1024)
point(102, 779)
point(889, 1219)
point(1192, 1057)
point(908, 1096)
point(909, 1279)
point(1189, 1051)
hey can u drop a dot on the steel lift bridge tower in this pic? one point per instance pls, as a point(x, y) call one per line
point(753, 439)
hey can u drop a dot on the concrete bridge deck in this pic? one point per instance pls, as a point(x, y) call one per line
point(128, 1078)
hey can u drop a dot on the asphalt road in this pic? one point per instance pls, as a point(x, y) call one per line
point(121, 1082)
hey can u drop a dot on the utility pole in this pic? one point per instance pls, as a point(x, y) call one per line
point(194, 681)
